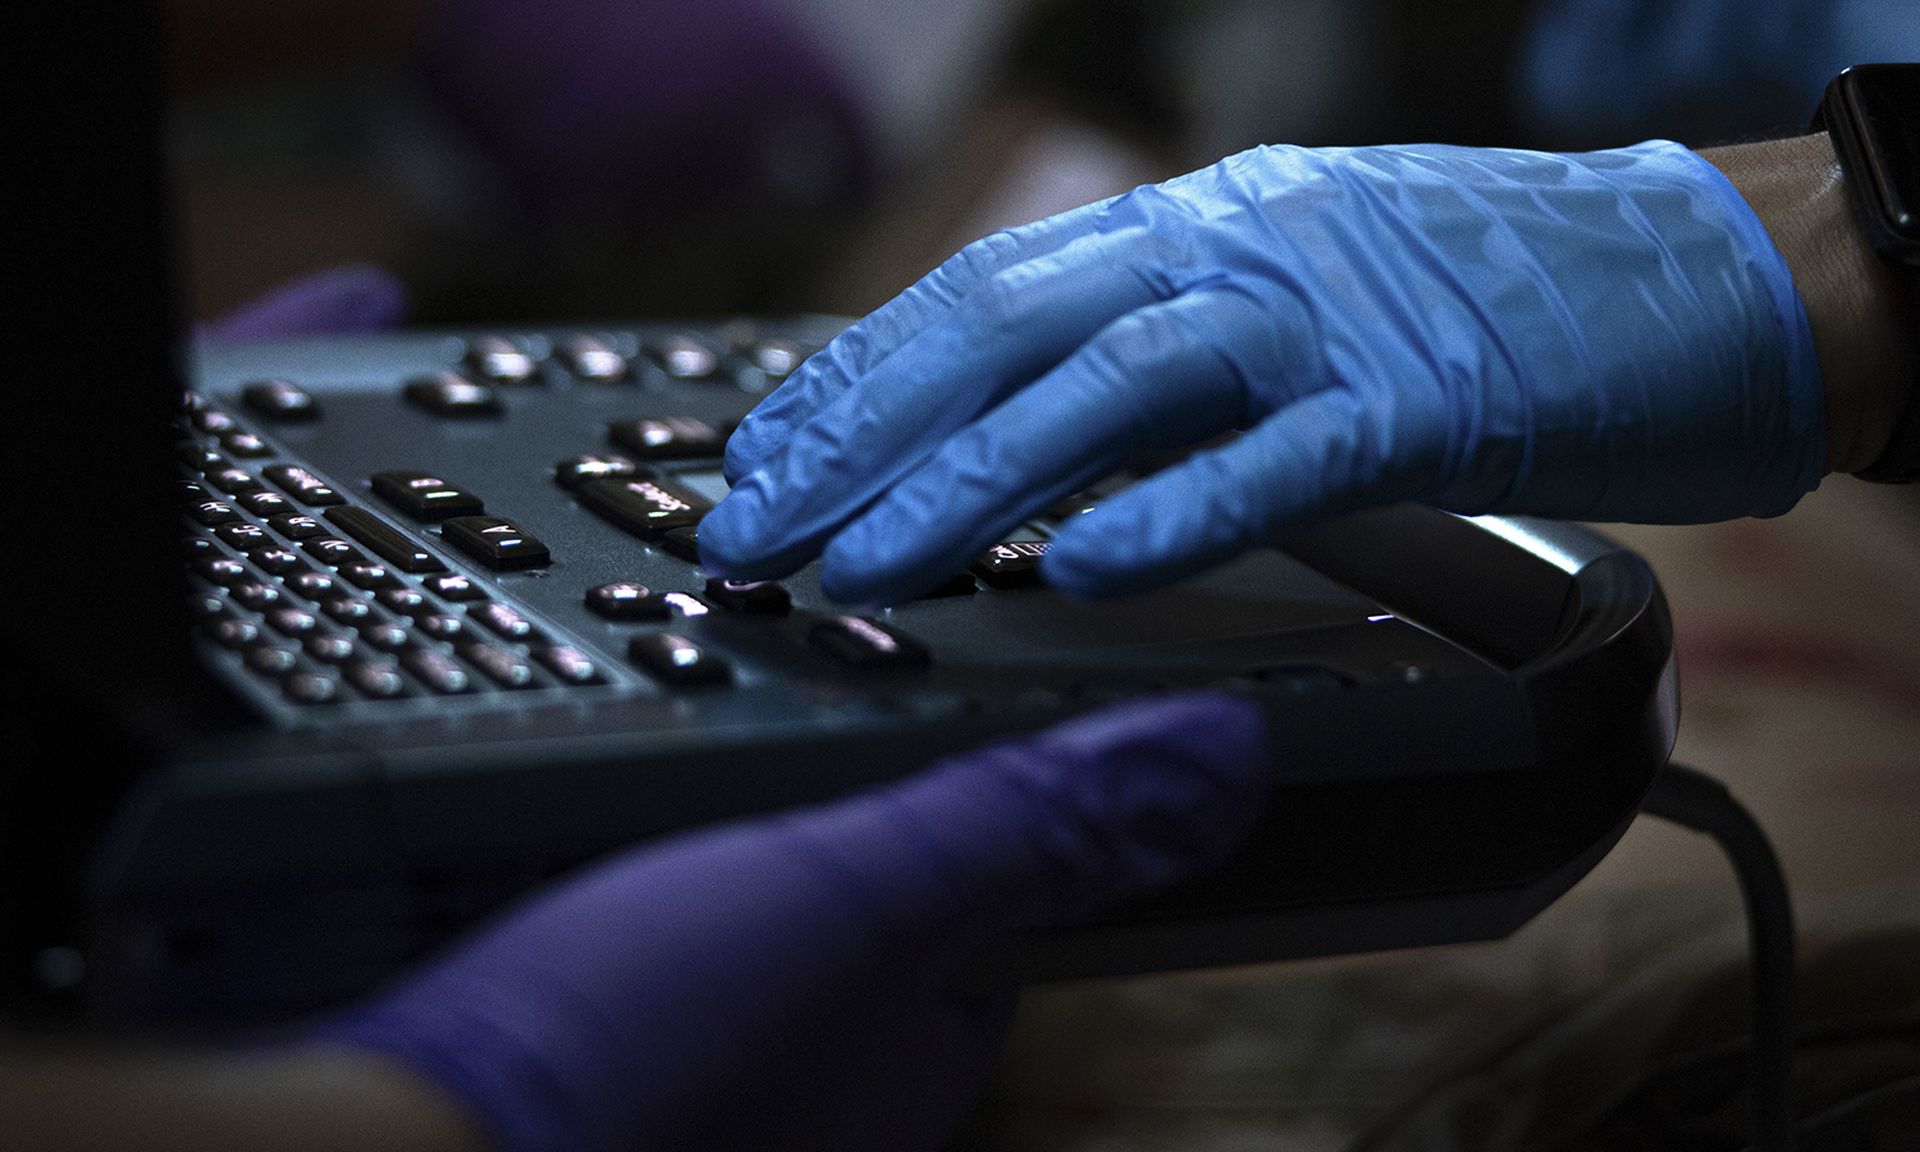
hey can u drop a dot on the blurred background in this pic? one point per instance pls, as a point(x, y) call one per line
point(547, 159)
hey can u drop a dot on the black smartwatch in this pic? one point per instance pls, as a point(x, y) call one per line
point(1872, 114)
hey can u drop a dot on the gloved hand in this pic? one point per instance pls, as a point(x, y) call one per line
point(785, 983)
point(1607, 336)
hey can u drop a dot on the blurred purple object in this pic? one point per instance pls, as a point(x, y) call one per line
point(334, 301)
point(617, 107)
point(789, 982)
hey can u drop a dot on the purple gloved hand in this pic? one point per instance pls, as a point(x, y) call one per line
point(787, 983)
point(349, 299)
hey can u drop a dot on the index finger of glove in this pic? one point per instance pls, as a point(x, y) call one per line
point(1015, 327)
point(859, 349)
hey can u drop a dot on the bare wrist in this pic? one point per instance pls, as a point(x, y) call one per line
point(1861, 312)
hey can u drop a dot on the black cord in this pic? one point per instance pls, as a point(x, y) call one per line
point(1692, 799)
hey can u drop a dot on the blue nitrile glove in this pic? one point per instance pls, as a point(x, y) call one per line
point(786, 983)
point(1608, 336)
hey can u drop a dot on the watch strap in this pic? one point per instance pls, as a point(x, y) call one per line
point(1899, 463)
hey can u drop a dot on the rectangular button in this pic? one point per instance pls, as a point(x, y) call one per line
point(1011, 564)
point(677, 661)
point(424, 496)
point(668, 438)
point(646, 508)
point(451, 394)
point(866, 643)
point(496, 542)
point(577, 470)
point(280, 400)
point(592, 358)
point(570, 664)
point(386, 541)
point(436, 671)
point(500, 359)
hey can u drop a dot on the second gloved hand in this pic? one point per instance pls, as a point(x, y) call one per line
point(1608, 336)
point(789, 983)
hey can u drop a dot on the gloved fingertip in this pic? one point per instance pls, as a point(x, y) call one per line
point(859, 567)
point(1083, 565)
point(745, 450)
